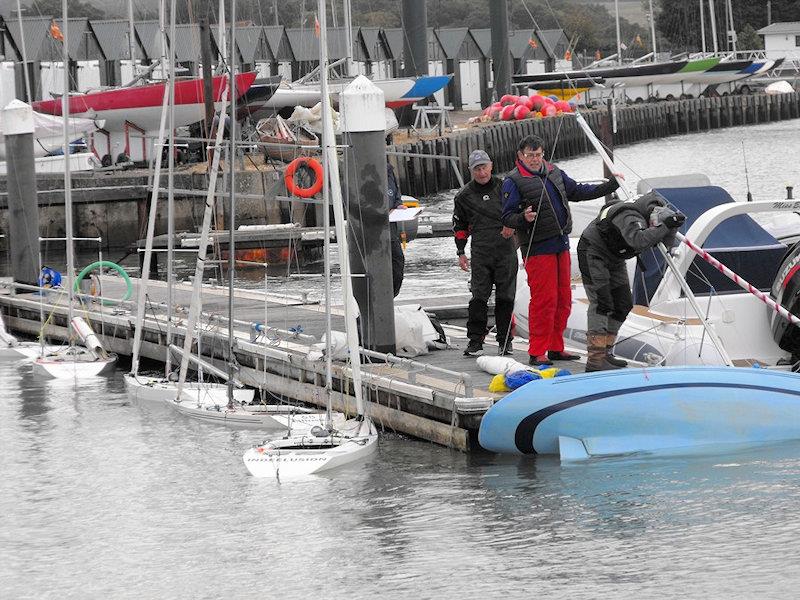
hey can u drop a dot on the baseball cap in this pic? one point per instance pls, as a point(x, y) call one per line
point(478, 157)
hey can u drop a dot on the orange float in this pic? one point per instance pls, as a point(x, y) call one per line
point(296, 190)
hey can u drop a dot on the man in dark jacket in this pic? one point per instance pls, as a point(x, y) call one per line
point(477, 211)
point(622, 230)
point(536, 197)
point(398, 258)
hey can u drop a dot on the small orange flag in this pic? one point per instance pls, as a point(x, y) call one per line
point(567, 55)
point(532, 43)
point(597, 55)
point(316, 26)
point(55, 32)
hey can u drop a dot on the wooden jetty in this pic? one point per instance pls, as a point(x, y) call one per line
point(635, 123)
point(439, 397)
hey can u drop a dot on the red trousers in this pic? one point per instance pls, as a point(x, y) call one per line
point(551, 301)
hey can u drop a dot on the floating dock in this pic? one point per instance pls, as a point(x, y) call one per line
point(439, 397)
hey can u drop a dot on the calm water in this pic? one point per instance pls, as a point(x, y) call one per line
point(102, 497)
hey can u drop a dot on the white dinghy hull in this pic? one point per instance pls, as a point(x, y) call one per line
point(305, 455)
point(67, 366)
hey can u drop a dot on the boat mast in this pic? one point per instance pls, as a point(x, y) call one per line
point(131, 39)
point(329, 148)
point(703, 26)
point(24, 54)
point(713, 17)
point(170, 180)
point(144, 277)
point(619, 40)
point(653, 29)
point(731, 37)
point(232, 218)
point(67, 173)
point(202, 251)
point(348, 36)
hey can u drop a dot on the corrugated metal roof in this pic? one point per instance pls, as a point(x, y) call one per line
point(791, 27)
point(9, 50)
point(375, 45)
point(305, 45)
point(459, 44)
point(519, 43)
point(394, 39)
point(81, 40)
point(39, 45)
point(483, 37)
point(112, 35)
point(150, 37)
point(435, 50)
point(187, 42)
point(278, 43)
point(251, 44)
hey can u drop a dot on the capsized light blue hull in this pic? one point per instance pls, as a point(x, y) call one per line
point(645, 410)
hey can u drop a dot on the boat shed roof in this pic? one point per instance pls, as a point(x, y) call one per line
point(150, 37)
point(483, 37)
point(458, 44)
point(305, 44)
point(394, 42)
point(39, 46)
point(278, 43)
point(81, 41)
point(8, 48)
point(112, 35)
point(435, 49)
point(792, 27)
point(253, 45)
point(375, 46)
point(187, 43)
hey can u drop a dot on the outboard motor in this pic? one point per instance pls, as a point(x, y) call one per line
point(786, 292)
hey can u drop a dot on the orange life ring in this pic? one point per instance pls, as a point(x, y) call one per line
point(295, 189)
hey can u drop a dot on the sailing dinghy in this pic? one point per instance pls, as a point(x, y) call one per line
point(326, 448)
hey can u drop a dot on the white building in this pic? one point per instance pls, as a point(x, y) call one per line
point(782, 40)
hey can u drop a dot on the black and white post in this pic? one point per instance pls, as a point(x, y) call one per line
point(363, 121)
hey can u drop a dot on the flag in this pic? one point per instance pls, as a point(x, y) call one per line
point(623, 46)
point(567, 55)
point(597, 55)
point(55, 31)
point(316, 26)
point(532, 43)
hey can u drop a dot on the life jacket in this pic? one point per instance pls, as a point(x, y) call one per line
point(611, 234)
point(532, 194)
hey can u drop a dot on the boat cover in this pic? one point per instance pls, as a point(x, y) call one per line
point(739, 243)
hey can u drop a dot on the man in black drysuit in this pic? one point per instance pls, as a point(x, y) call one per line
point(622, 230)
point(477, 212)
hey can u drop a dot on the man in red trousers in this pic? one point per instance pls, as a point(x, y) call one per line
point(536, 197)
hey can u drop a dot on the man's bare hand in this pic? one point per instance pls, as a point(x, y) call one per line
point(529, 214)
point(619, 176)
point(507, 232)
point(463, 262)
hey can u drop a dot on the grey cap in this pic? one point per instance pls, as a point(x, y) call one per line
point(478, 157)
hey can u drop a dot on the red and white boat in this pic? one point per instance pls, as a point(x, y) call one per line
point(132, 115)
